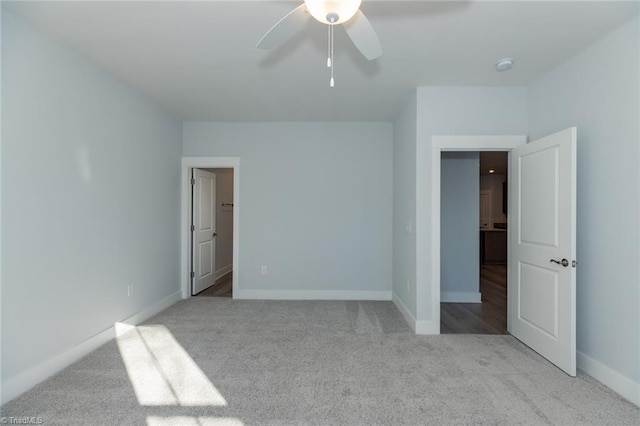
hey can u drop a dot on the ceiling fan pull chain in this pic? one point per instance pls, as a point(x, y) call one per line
point(331, 82)
point(328, 46)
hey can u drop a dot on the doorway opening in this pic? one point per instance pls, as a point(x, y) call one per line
point(542, 244)
point(210, 226)
point(212, 236)
point(473, 245)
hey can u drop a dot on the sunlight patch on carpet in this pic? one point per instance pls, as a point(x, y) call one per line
point(192, 421)
point(161, 371)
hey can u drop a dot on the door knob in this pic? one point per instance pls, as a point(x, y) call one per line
point(215, 234)
point(563, 262)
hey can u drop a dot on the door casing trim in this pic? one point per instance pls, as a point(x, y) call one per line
point(431, 237)
point(189, 163)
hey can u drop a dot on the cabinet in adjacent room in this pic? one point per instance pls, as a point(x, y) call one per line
point(493, 246)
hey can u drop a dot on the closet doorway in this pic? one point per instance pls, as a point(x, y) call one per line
point(213, 258)
point(226, 267)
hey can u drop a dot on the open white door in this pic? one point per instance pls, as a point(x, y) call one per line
point(542, 242)
point(203, 230)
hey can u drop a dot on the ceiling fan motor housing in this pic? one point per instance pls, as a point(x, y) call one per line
point(333, 12)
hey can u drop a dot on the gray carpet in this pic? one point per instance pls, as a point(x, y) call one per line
point(218, 361)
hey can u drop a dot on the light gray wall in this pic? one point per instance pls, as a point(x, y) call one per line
point(598, 92)
point(404, 206)
point(459, 226)
point(224, 218)
point(455, 111)
point(315, 202)
point(90, 200)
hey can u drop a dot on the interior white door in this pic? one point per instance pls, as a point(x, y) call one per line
point(542, 243)
point(203, 230)
point(485, 209)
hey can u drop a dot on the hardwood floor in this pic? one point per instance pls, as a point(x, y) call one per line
point(222, 288)
point(488, 317)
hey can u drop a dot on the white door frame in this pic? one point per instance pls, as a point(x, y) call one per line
point(189, 163)
point(454, 143)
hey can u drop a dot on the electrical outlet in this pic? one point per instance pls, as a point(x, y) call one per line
point(263, 270)
point(129, 290)
point(408, 285)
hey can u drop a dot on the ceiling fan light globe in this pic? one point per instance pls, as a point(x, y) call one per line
point(344, 9)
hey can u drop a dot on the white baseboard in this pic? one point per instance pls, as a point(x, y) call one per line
point(460, 297)
point(224, 271)
point(406, 313)
point(427, 327)
point(22, 382)
point(419, 327)
point(622, 385)
point(311, 295)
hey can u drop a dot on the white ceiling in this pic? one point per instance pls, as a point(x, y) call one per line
point(198, 58)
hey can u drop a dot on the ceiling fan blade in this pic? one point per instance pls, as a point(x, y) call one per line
point(290, 24)
point(363, 36)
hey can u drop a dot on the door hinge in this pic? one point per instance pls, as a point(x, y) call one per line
point(193, 228)
point(193, 274)
point(193, 181)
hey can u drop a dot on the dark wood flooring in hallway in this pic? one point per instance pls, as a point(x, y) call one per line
point(222, 288)
point(488, 317)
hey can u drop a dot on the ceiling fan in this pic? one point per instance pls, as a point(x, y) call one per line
point(331, 13)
